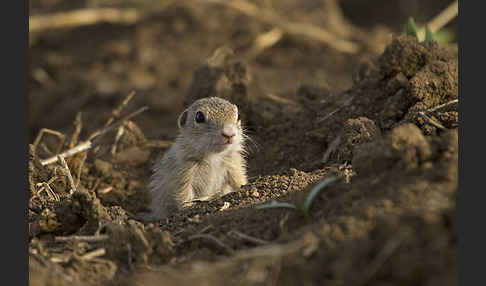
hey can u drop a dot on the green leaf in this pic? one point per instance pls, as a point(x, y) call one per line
point(444, 36)
point(275, 204)
point(313, 193)
point(429, 36)
point(411, 28)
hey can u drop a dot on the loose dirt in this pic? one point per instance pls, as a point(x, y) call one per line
point(390, 131)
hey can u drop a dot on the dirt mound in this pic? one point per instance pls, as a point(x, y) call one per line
point(410, 82)
point(406, 249)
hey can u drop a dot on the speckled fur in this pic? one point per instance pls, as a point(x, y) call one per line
point(197, 166)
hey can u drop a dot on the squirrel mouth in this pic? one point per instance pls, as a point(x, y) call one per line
point(227, 141)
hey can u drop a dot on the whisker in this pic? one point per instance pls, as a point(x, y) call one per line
point(251, 140)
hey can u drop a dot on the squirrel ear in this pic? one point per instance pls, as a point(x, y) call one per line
point(181, 121)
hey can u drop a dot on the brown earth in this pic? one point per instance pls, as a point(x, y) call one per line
point(384, 120)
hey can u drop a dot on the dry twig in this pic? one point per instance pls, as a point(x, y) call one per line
point(345, 104)
point(444, 17)
point(68, 153)
point(294, 28)
point(117, 111)
point(97, 134)
point(96, 184)
point(91, 238)
point(105, 190)
point(129, 257)
point(83, 17)
point(81, 168)
point(62, 138)
point(279, 99)
point(45, 186)
point(443, 105)
point(46, 149)
point(333, 146)
point(78, 123)
point(93, 254)
point(274, 250)
point(93, 138)
point(247, 237)
point(432, 121)
point(329, 115)
point(439, 21)
point(118, 136)
point(282, 222)
point(388, 249)
point(142, 237)
point(68, 173)
point(162, 144)
point(213, 239)
point(264, 41)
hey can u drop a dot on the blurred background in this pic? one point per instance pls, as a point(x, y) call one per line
point(87, 55)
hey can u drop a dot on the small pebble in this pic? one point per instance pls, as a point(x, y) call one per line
point(225, 206)
point(254, 193)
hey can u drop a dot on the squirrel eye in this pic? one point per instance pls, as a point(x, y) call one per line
point(200, 118)
point(239, 117)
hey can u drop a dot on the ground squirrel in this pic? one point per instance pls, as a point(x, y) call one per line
point(206, 159)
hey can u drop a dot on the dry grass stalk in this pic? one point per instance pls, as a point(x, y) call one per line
point(443, 105)
point(247, 237)
point(162, 144)
point(264, 41)
point(293, 28)
point(444, 17)
point(129, 257)
point(213, 239)
point(440, 20)
point(118, 136)
point(345, 104)
point(45, 186)
point(105, 190)
point(115, 125)
point(61, 258)
point(93, 137)
point(46, 149)
point(432, 121)
point(83, 17)
point(329, 115)
point(93, 238)
point(275, 250)
point(117, 111)
point(68, 173)
point(142, 237)
point(80, 169)
point(62, 138)
point(279, 99)
point(93, 254)
point(70, 152)
point(96, 184)
point(333, 146)
point(388, 249)
point(78, 123)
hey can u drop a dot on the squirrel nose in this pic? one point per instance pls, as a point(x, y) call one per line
point(228, 132)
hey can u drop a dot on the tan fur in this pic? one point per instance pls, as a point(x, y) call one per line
point(196, 167)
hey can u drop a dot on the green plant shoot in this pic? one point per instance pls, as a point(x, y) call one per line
point(411, 28)
point(275, 204)
point(429, 36)
point(316, 190)
point(305, 207)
